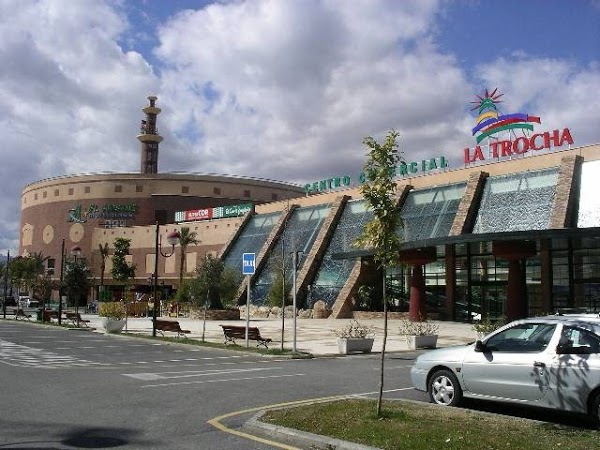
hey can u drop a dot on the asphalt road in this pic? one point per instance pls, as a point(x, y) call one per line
point(66, 389)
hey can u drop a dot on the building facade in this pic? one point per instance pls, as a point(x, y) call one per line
point(515, 232)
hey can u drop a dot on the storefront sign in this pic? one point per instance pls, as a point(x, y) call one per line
point(109, 212)
point(519, 146)
point(402, 170)
point(490, 122)
point(219, 212)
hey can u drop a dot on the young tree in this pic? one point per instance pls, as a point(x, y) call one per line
point(103, 258)
point(186, 237)
point(76, 280)
point(276, 294)
point(379, 191)
point(122, 271)
point(215, 285)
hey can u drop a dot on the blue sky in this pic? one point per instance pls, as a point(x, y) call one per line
point(278, 89)
point(480, 31)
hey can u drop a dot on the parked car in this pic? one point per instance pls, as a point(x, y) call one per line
point(551, 362)
point(27, 302)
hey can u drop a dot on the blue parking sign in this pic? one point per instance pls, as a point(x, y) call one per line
point(248, 263)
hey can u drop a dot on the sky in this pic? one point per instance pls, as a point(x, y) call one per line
point(277, 89)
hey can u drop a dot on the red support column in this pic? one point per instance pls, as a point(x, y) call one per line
point(516, 301)
point(417, 258)
point(516, 296)
point(416, 309)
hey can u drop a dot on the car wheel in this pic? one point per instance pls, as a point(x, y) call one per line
point(444, 388)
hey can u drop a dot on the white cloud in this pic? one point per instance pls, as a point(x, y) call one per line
point(280, 90)
point(560, 92)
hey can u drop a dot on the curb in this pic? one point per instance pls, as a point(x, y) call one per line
point(296, 437)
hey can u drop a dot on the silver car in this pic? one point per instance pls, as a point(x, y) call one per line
point(550, 362)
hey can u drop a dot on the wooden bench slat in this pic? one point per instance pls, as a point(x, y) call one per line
point(170, 325)
point(75, 319)
point(233, 332)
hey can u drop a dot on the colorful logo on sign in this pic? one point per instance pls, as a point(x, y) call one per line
point(490, 122)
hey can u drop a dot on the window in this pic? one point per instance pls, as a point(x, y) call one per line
point(51, 263)
point(35, 196)
point(87, 189)
point(577, 341)
point(523, 338)
point(71, 191)
point(56, 192)
point(217, 191)
point(139, 188)
point(44, 194)
point(246, 193)
point(118, 188)
point(185, 189)
point(274, 197)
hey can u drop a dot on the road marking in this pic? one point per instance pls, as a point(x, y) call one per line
point(192, 373)
point(22, 356)
point(216, 421)
point(224, 380)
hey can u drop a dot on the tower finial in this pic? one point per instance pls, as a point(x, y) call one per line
point(149, 138)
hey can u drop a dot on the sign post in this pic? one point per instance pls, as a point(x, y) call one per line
point(248, 268)
point(294, 267)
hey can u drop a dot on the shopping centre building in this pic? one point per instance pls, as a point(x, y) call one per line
point(515, 231)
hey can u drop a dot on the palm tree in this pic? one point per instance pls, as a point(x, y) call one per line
point(186, 237)
point(38, 262)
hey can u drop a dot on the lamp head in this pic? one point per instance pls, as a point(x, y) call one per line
point(173, 238)
point(76, 251)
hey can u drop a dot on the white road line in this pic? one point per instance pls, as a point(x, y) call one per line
point(223, 381)
point(193, 373)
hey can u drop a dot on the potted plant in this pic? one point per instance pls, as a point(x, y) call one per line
point(355, 337)
point(419, 334)
point(113, 316)
point(486, 325)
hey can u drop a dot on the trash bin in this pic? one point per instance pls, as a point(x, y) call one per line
point(40, 315)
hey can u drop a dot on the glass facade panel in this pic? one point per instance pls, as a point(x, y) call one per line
point(429, 213)
point(589, 200)
point(299, 235)
point(333, 273)
point(517, 202)
point(251, 239)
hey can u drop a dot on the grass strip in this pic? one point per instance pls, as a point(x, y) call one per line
point(407, 425)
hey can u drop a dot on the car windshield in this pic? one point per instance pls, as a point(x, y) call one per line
point(527, 337)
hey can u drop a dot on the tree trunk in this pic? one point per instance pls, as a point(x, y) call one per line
point(385, 327)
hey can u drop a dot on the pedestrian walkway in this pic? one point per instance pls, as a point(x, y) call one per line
point(315, 336)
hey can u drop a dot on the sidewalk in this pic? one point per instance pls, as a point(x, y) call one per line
point(315, 336)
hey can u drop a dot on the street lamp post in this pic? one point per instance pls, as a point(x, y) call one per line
point(62, 277)
point(172, 239)
point(76, 252)
point(6, 284)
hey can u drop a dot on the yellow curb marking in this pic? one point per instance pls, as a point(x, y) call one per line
point(216, 422)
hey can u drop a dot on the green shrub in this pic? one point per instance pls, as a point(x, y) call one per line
point(112, 310)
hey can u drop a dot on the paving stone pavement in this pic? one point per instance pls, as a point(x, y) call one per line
point(315, 336)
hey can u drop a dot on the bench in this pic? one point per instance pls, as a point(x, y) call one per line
point(170, 325)
point(76, 319)
point(21, 315)
point(49, 314)
point(233, 332)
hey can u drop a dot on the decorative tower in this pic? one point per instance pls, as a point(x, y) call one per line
point(149, 138)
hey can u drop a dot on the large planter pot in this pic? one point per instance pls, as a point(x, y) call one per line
point(427, 341)
point(352, 345)
point(112, 325)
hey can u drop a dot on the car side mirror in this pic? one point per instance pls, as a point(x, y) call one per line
point(480, 346)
